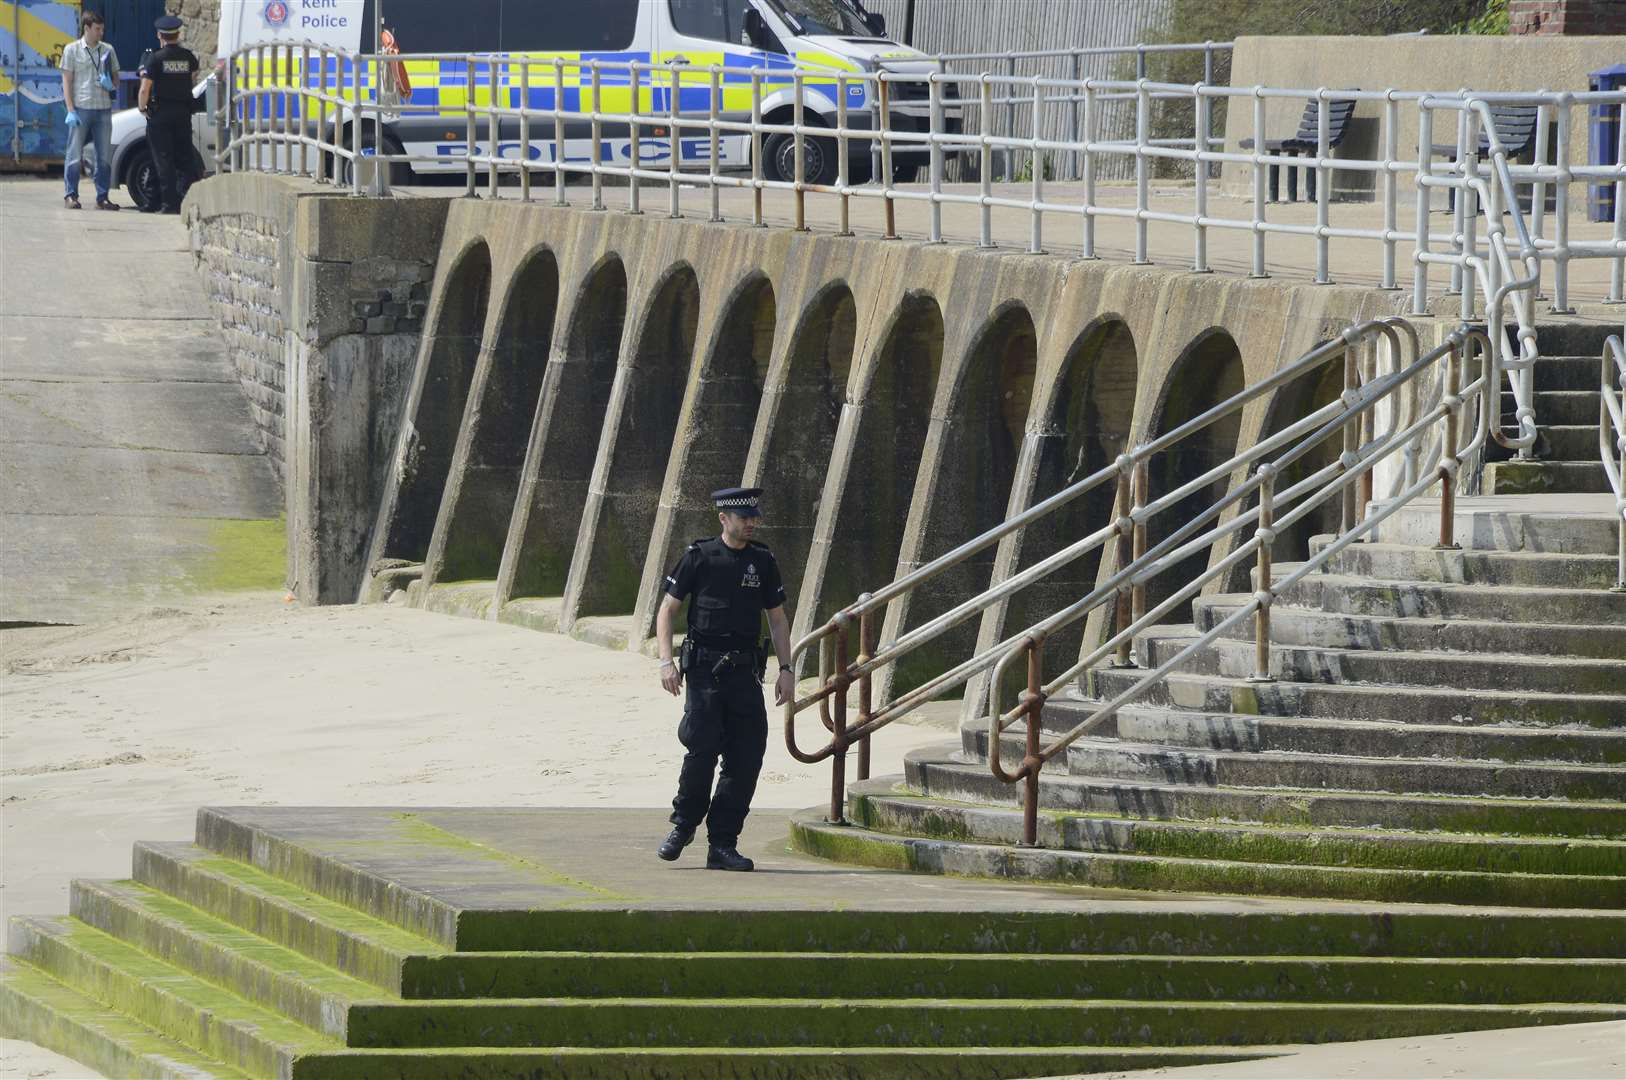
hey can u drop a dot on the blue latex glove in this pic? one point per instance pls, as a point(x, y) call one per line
point(73, 119)
point(106, 81)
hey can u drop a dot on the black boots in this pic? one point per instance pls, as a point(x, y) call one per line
point(726, 858)
point(675, 842)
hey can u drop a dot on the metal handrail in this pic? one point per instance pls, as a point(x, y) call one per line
point(262, 114)
point(1612, 428)
point(1340, 479)
point(1135, 510)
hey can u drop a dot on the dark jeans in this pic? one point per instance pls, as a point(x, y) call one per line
point(169, 134)
point(722, 716)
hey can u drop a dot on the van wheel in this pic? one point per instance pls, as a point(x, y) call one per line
point(818, 158)
point(142, 180)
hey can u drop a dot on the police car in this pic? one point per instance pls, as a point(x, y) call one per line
point(818, 36)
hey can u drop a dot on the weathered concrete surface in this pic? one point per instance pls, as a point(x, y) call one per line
point(320, 301)
point(130, 470)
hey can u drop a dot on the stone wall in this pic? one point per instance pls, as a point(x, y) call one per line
point(1566, 17)
point(201, 33)
point(237, 256)
point(321, 299)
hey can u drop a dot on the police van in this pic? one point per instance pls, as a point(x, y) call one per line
point(820, 37)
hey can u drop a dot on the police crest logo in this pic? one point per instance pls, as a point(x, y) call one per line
point(275, 13)
point(751, 580)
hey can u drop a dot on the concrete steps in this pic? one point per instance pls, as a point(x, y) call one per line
point(945, 772)
point(215, 966)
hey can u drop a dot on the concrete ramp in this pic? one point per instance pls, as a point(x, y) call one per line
point(130, 471)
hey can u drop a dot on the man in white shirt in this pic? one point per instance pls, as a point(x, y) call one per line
point(90, 75)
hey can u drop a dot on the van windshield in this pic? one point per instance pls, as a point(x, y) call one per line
point(836, 17)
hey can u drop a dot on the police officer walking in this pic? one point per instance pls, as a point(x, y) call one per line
point(729, 581)
point(167, 74)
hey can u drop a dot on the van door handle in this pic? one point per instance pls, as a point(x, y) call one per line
point(678, 59)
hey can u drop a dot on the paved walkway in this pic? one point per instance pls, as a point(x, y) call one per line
point(129, 468)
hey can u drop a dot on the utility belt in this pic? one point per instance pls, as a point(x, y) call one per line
point(720, 661)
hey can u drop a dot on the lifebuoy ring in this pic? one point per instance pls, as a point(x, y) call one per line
point(398, 72)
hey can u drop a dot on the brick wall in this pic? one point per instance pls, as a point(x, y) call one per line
point(237, 256)
point(1566, 17)
point(201, 32)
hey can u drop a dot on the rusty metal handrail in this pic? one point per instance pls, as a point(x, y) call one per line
point(1342, 478)
point(839, 669)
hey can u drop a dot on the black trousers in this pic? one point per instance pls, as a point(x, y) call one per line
point(723, 716)
point(169, 135)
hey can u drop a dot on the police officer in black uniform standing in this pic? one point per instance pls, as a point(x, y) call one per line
point(729, 581)
point(167, 74)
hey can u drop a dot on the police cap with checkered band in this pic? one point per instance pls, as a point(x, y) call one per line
point(741, 501)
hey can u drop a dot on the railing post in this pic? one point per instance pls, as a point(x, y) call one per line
point(559, 127)
point(1036, 165)
point(935, 126)
point(843, 165)
point(304, 75)
point(1075, 74)
point(1449, 461)
point(355, 126)
point(866, 701)
point(321, 118)
point(471, 167)
point(1143, 175)
point(1089, 172)
point(1265, 534)
point(1469, 205)
point(1010, 117)
point(1617, 265)
point(597, 152)
point(674, 205)
point(635, 140)
point(714, 166)
point(985, 164)
point(1142, 496)
point(756, 147)
point(1561, 213)
point(1458, 203)
point(1259, 172)
point(1425, 169)
point(838, 727)
point(1033, 705)
point(524, 130)
point(1123, 613)
point(1323, 192)
point(798, 116)
point(1352, 437)
point(1391, 150)
point(886, 159)
point(1199, 254)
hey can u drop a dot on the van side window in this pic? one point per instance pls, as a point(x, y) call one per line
point(714, 20)
point(466, 26)
point(567, 25)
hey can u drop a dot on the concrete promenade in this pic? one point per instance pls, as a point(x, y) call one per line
point(129, 470)
point(1170, 245)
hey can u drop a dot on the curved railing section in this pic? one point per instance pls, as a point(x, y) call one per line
point(1612, 436)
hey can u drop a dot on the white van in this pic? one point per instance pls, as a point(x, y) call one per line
point(814, 35)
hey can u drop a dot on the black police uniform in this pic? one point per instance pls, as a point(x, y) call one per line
point(723, 712)
point(169, 120)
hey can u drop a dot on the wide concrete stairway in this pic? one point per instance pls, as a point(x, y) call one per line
point(1443, 727)
point(254, 953)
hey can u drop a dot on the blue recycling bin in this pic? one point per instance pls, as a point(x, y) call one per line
point(1603, 130)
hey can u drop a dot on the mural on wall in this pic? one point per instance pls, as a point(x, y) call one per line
point(33, 34)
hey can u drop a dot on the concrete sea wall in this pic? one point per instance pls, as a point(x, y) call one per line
point(321, 300)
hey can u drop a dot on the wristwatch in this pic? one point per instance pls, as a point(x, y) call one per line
point(784, 667)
